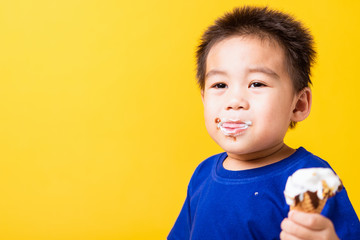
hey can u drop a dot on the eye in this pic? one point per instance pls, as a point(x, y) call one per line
point(257, 84)
point(219, 85)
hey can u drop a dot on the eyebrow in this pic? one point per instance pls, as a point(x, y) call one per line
point(255, 69)
point(215, 72)
point(264, 70)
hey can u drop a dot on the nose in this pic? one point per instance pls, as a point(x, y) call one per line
point(237, 100)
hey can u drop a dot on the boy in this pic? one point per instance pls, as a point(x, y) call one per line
point(254, 74)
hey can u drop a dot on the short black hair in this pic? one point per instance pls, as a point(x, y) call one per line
point(291, 35)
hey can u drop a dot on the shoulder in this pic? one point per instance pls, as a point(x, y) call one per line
point(204, 169)
point(210, 162)
point(306, 159)
point(299, 160)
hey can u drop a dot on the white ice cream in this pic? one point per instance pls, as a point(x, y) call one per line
point(233, 132)
point(310, 179)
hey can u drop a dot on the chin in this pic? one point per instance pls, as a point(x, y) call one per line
point(235, 148)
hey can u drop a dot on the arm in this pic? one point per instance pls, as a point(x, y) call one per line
point(300, 225)
point(181, 228)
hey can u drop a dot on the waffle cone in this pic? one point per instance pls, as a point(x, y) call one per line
point(310, 204)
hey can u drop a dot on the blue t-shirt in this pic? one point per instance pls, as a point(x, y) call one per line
point(250, 204)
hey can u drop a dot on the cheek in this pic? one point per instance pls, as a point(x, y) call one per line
point(211, 109)
point(274, 115)
point(210, 115)
point(276, 118)
point(278, 104)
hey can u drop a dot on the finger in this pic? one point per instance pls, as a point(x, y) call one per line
point(294, 229)
point(312, 221)
point(286, 236)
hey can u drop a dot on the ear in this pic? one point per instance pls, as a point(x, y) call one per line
point(202, 96)
point(302, 106)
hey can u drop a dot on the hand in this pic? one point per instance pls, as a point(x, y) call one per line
point(300, 225)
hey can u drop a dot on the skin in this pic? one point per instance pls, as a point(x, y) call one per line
point(301, 225)
point(247, 79)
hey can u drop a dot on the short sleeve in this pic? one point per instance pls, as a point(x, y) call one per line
point(181, 229)
point(340, 211)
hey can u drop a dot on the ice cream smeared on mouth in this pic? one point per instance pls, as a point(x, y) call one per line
point(231, 127)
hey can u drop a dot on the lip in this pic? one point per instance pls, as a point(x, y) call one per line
point(233, 127)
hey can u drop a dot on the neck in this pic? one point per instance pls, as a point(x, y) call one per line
point(262, 158)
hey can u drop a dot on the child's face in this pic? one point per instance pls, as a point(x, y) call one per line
point(247, 81)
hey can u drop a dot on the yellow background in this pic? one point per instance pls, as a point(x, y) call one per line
point(101, 121)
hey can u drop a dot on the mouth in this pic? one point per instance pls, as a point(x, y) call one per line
point(231, 127)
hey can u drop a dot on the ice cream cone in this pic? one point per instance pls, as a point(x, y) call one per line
point(310, 204)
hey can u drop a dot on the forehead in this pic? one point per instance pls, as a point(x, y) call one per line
point(236, 52)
